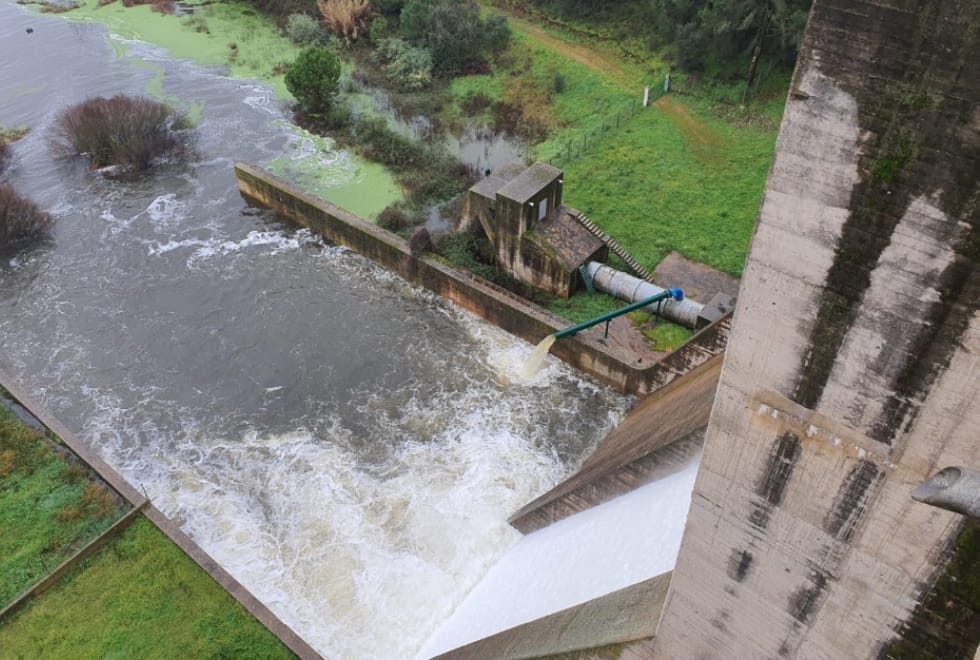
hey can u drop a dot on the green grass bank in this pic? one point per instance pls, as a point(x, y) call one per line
point(139, 597)
point(48, 507)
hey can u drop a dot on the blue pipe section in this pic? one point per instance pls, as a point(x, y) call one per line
point(676, 294)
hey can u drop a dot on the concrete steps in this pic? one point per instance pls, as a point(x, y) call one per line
point(616, 248)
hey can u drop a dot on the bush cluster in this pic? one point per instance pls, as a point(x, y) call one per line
point(453, 32)
point(346, 18)
point(124, 131)
point(409, 67)
point(378, 29)
point(20, 218)
point(427, 171)
point(304, 30)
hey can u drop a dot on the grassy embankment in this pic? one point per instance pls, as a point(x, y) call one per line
point(139, 596)
point(48, 507)
point(685, 175)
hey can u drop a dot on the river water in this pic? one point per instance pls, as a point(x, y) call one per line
point(346, 445)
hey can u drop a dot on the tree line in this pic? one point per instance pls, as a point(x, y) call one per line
point(701, 34)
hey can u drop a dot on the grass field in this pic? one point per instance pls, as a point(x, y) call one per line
point(685, 174)
point(688, 182)
point(139, 597)
point(48, 508)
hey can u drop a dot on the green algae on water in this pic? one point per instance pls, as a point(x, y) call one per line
point(233, 36)
point(315, 164)
point(227, 34)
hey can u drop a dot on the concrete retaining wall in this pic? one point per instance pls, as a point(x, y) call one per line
point(499, 306)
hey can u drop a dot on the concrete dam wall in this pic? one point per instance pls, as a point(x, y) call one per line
point(853, 369)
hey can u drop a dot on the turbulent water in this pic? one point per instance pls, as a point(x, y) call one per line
point(343, 443)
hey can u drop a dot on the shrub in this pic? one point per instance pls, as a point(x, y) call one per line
point(347, 18)
point(389, 7)
point(394, 217)
point(378, 29)
point(129, 132)
point(409, 67)
point(304, 30)
point(20, 218)
point(453, 33)
point(97, 501)
point(474, 103)
point(314, 79)
point(338, 117)
point(559, 83)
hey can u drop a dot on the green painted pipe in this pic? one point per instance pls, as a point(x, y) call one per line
point(676, 294)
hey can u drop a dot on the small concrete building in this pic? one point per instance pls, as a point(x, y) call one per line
point(534, 237)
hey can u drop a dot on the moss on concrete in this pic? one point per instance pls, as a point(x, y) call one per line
point(946, 624)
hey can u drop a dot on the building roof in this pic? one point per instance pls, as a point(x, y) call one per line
point(565, 238)
point(488, 186)
point(529, 183)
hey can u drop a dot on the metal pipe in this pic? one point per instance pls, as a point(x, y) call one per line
point(953, 488)
point(675, 294)
point(626, 287)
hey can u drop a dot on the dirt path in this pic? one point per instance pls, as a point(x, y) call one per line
point(704, 142)
point(584, 55)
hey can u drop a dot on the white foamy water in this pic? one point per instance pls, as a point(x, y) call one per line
point(200, 249)
point(364, 560)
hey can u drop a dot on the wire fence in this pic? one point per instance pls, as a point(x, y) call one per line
point(577, 143)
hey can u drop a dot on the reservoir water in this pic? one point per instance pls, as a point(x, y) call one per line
point(346, 445)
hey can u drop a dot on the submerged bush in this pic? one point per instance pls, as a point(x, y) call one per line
point(123, 131)
point(6, 154)
point(161, 6)
point(395, 217)
point(20, 218)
